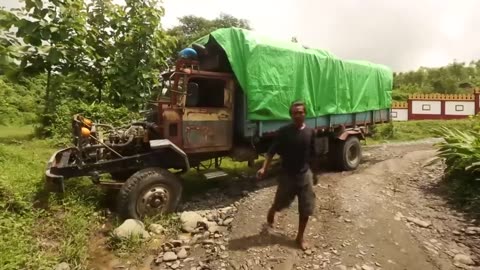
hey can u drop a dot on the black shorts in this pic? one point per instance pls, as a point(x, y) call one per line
point(300, 186)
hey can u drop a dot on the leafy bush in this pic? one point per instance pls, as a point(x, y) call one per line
point(21, 100)
point(461, 151)
point(61, 120)
point(415, 130)
point(385, 131)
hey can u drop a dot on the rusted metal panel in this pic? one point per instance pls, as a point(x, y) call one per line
point(207, 114)
point(199, 136)
point(172, 126)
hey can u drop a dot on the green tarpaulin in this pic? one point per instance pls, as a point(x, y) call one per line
point(274, 73)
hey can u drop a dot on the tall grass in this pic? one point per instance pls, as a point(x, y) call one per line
point(416, 130)
point(37, 230)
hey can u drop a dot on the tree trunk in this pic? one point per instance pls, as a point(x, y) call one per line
point(46, 118)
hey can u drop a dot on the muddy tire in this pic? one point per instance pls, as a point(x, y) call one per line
point(347, 155)
point(149, 192)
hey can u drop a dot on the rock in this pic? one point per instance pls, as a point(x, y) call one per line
point(339, 267)
point(366, 267)
point(131, 227)
point(208, 242)
point(176, 243)
point(456, 232)
point(156, 228)
point(227, 221)
point(190, 220)
point(235, 265)
point(158, 260)
point(195, 239)
point(308, 252)
point(185, 238)
point(169, 256)
point(175, 265)
point(398, 216)
point(182, 254)
point(227, 209)
point(475, 229)
point(63, 266)
point(213, 228)
point(463, 259)
point(348, 220)
point(421, 223)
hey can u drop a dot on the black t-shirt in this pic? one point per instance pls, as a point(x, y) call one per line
point(296, 148)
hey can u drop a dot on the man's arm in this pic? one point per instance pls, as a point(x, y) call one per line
point(312, 157)
point(268, 157)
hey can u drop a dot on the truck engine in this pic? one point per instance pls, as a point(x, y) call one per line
point(96, 142)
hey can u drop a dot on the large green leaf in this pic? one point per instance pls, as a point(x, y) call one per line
point(54, 55)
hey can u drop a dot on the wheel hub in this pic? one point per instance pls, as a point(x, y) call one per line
point(153, 201)
point(352, 154)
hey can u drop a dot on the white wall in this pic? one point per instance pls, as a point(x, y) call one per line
point(426, 107)
point(460, 107)
point(400, 114)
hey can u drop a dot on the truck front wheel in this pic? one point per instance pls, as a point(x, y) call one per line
point(149, 192)
point(348, 154)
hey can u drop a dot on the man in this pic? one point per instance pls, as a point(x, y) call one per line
point(295, 144)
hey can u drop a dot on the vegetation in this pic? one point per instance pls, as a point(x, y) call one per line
point(416, 130)
point(103, 60)
point(38, 231)
point(460, 149)
point(192, 28)
point(58, 58)
point(61, 57)
point(461, 152)
point(451, 79)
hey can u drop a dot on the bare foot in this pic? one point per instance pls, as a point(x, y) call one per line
point(302, 244)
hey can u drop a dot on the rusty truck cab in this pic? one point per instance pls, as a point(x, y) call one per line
point(195, 111)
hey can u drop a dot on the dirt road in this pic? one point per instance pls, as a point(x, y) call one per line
point(389, 214)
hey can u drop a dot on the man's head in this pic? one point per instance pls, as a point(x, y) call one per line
point(297, 112)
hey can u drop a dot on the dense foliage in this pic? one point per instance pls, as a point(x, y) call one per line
point(75, 56)
point(451, 79)
point(461, 150)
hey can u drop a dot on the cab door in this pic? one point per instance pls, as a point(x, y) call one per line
point(207, 120)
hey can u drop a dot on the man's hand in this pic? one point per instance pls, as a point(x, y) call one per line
point(261, 173)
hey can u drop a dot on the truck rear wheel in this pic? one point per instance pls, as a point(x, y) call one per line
point(347, 154)
point(149, 192)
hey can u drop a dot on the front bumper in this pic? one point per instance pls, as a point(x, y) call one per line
point(53, 178)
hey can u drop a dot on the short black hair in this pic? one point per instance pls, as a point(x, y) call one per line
point(296, 104)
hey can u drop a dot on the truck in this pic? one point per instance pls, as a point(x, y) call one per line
point(227, 98)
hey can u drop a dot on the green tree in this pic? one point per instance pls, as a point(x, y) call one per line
point(53, 37)
point(100, 39)
point(453, 78)
point(193, 27)
point(141, 47)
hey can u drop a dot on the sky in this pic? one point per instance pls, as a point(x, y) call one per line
point(403, 35)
